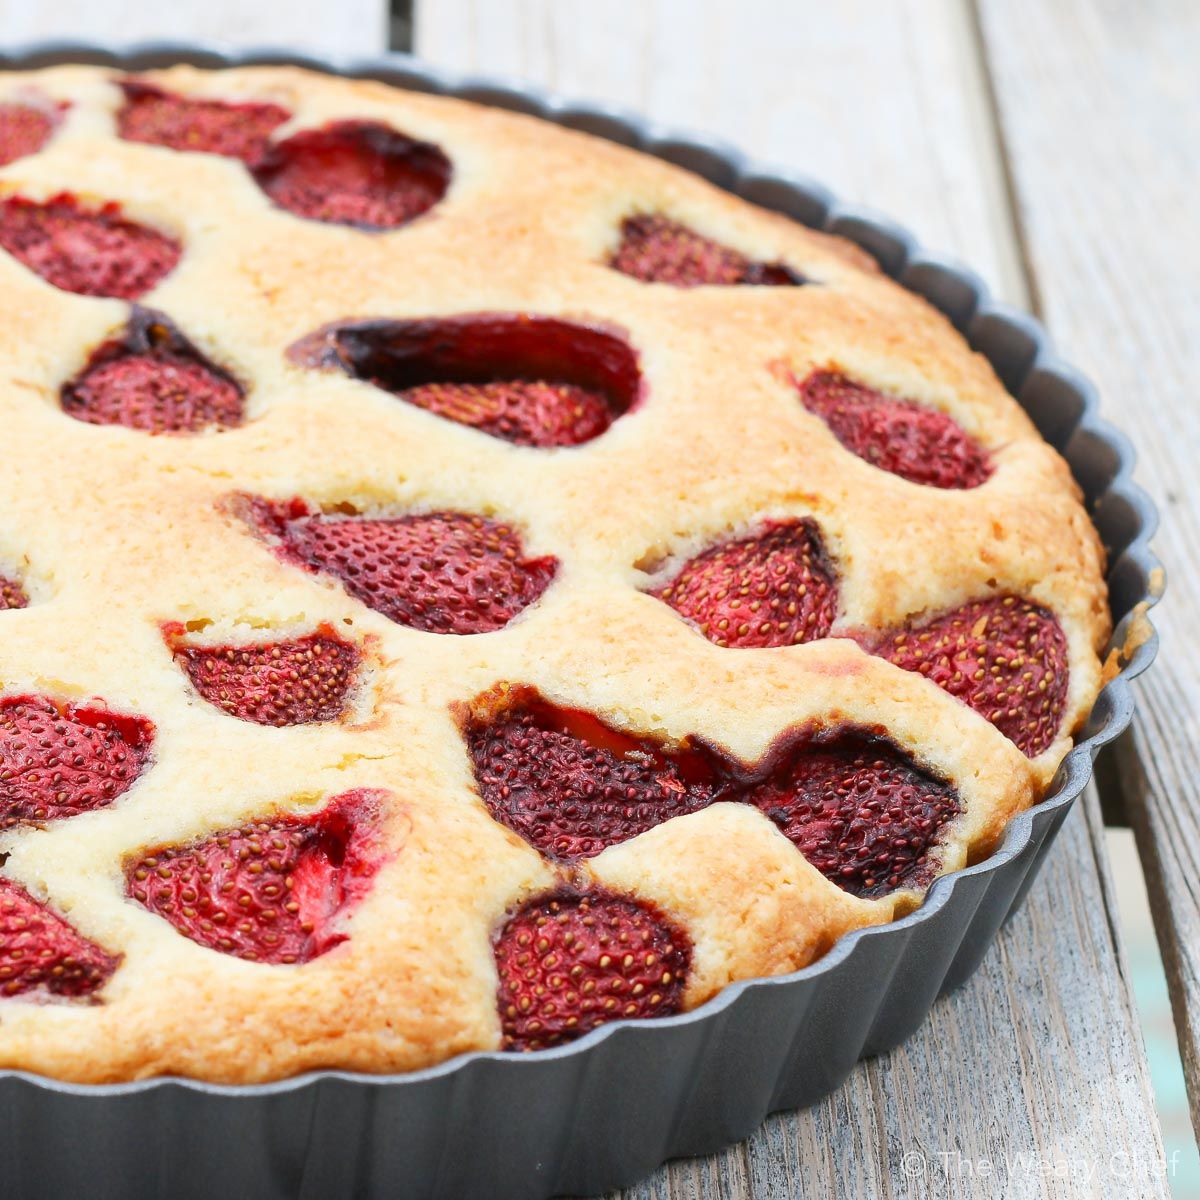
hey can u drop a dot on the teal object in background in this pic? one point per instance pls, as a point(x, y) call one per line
point(1149, 984)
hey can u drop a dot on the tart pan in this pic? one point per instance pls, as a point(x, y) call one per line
point(603, 1111)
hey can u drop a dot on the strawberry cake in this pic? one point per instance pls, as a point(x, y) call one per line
point(464, 582)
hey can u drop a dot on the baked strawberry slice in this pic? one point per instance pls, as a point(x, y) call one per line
point(655, 249)
point(26, 127)
point(774, 587)
point(526, 412)
point(911, 440)
point(41, 953)
point(161, 118)
point(1005, 657)
point(274, 891)
point(861, 812)
point(59, 759)
point(153, 379)
point(12, 594)
point(296, 681)
point(569, 962)
point(529, 380)
point(571, 785)
point(359, 173)
point(90, 251)
point(440, 572)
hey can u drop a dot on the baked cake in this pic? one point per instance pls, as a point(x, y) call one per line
point(465, 582)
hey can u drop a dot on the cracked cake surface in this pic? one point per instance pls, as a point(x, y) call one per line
point(463, 582)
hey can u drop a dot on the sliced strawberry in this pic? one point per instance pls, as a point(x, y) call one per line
point(533, 381)
point(569, 962)
point(164, 118)
point(656, 249)
point(442, 572)
point(59, 759)
point(156, 394)
point(12, 594)
point(773, 588)
point(526, 412)
point(91, 251)
point(26, 128)
point(294, 682)
point(153, 379)
point(40, 952)
point(357, 173)
point(1005, 657)
point(864, 815)
point(275, 891)
point(911, 440)
point(571, 785)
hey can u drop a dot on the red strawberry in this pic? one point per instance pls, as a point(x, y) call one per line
point(908, 439)
point(156, 394)
point(526, 412)
point(569, 962)
point(866, 817)
point(163, 118)
point(12, 594)
point(1005, 657)
point(26, 128)
point(40, 952)
point(294, 682)
point(59, 759)
point(773, 588)
point(91, 251)
point(442, 572)
point(571, 785)
point(354, 173)
point(533, 381)
point(275, 891)
point(153, 379)
point(656, 249)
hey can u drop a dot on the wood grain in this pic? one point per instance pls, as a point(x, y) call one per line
point(324, 26)
point(1109, 218)
point(1031, 1081)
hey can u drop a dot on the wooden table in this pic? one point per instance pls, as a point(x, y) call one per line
point(1054, 145)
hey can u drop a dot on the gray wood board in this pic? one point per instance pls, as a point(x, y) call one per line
point(1100, 106)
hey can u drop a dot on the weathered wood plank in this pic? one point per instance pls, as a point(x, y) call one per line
point(1112, 240)
point(1032, 1079)
point(344, 27)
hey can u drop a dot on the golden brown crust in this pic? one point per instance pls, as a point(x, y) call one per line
point(117, 533)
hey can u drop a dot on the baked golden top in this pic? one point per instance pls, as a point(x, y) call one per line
point(692, 454)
